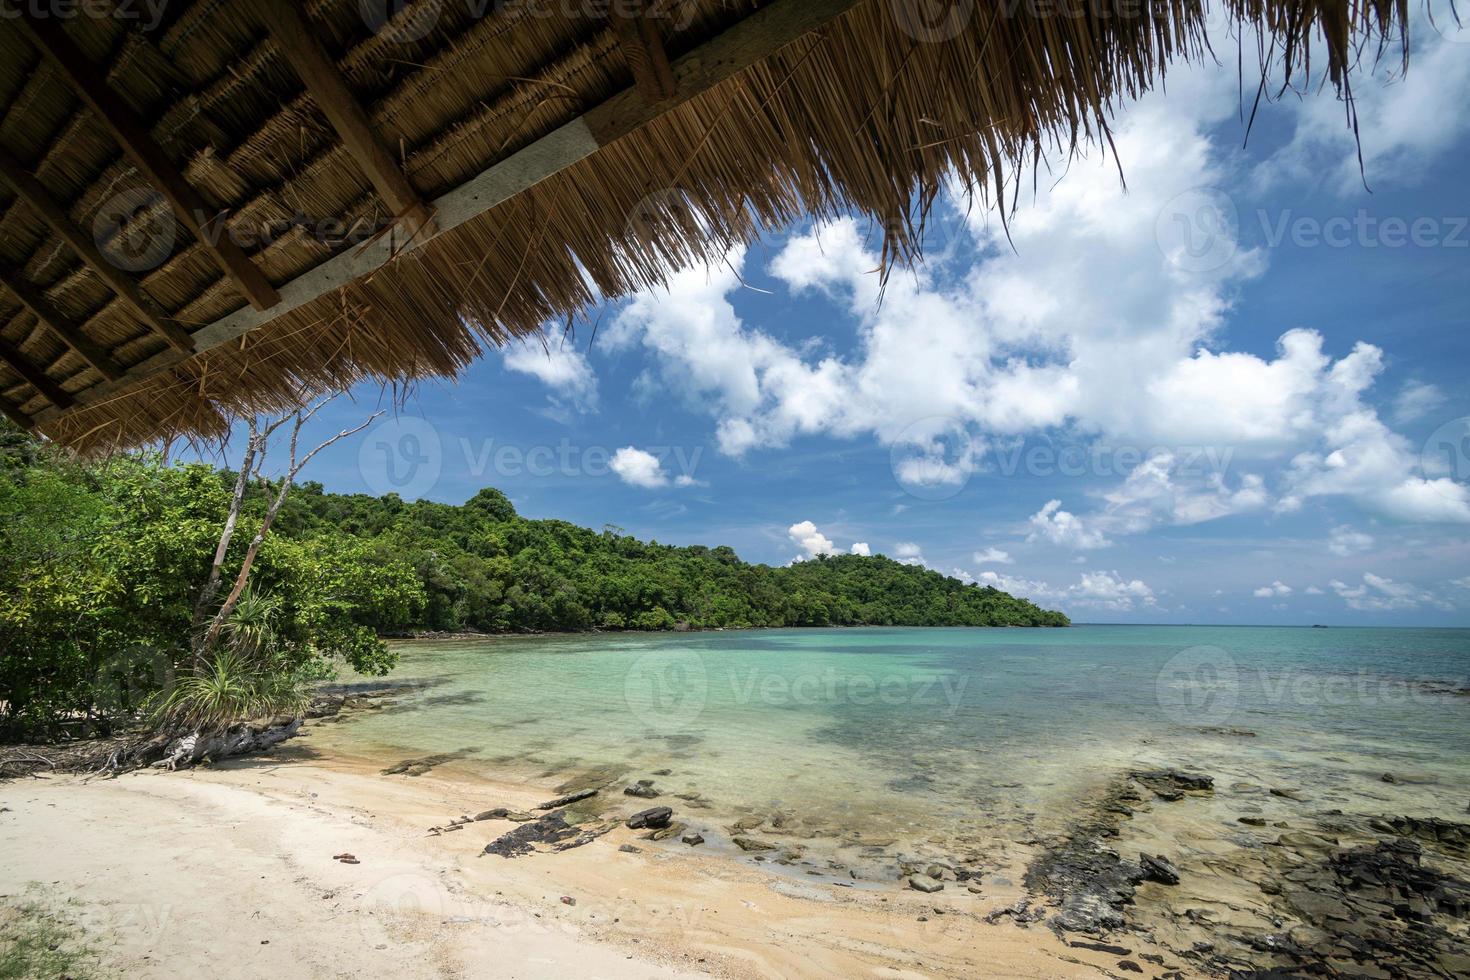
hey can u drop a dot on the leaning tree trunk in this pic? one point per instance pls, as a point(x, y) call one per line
point(188, 750)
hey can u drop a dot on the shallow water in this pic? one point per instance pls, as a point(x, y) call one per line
point(946, 739)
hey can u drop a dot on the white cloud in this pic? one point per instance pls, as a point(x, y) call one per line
point(1109, 590)
point(861, 548)
point(549, 358)
point(908, 553)
point(1379, 594)
point(1405, 119)
point(1344, 541)
point(993, 556)
point(1094, 590)
point(992, 343)
point(1173, 490)
point(1313, 590)
point(1065, 529)
point(1276, 590)
point(1416, 400)
point(811, 541)
point(638, 468)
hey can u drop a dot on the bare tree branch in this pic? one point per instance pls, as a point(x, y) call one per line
point(294, 465)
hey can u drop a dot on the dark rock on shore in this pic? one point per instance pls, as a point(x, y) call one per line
point(567, 800)
point(1158, 868)
point(551, 829)
point(652, 818)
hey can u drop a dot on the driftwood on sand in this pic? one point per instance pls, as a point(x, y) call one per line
point(138, 751)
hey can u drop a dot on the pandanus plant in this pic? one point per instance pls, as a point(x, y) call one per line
point(242, 680)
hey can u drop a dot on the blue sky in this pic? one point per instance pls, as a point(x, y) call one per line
point(1234, 392)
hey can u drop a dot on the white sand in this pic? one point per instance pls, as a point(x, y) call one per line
point(228, 872)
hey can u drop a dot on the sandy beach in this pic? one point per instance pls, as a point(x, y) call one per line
point(229, 871)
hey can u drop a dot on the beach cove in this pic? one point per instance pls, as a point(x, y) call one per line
point(884, 802)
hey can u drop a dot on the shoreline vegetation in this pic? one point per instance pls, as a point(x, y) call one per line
point(111, 572)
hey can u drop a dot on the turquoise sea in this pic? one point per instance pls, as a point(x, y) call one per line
point(941, 735)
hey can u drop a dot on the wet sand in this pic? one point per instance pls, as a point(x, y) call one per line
point(229, 871)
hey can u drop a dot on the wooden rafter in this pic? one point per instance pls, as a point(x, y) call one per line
point(128, 289)
point(52, 319)
point(775, 25)
point(643, 48)
point(49, 37)
point(293, 37)
point(15, 415)
point(34, 376)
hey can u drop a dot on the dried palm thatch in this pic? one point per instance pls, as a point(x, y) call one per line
point(873, 111)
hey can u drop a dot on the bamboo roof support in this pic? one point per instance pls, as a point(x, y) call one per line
point(34, 376)
point(50, 38)
point(643, 49)
point(294, 38)
point(51, 318)
point(128, 289)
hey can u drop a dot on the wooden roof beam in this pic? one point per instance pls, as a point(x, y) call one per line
point(15, 415)
point(777, 24)
point(128, 289)
point(643, 49)
point(49, 37)
point(70, 334)
point(293, 37)
point(34, 376)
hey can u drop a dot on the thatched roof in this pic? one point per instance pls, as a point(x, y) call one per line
point(532, 151)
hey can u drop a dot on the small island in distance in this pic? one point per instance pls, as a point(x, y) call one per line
point(484, 568)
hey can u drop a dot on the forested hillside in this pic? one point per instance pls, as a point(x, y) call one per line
point(483, 567)
point(101, 566)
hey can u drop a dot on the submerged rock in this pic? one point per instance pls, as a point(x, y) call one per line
point(664, 833)
point(751, 844)
point(1171, 784)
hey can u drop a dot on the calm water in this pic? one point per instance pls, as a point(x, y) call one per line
point(942, 735)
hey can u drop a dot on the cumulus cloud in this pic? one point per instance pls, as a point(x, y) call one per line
point(811, 541)
point(555, 363)
point(908, 553)
point(638, 468)
point(1407, 119)
point(1094, 590)
point(1377, 593)
point(861, 548)
point(993, 556)
point(1344, 541)
point(1276, 590)
point(1059, 527)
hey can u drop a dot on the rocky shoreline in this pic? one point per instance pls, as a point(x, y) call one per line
point(1282, 885)
point(1325, 894)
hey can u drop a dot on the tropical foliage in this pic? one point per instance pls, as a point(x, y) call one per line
point(101, 567)
point(100, 570)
